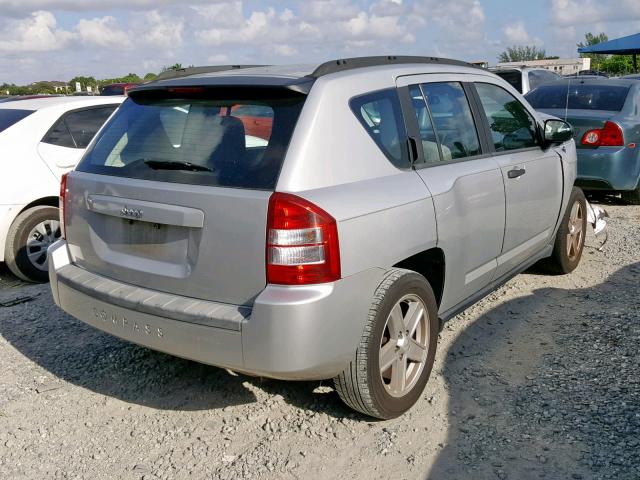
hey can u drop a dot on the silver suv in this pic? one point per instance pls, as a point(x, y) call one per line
point(313, 223)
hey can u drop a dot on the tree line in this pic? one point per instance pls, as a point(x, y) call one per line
point(611, 64)
point(46, 87)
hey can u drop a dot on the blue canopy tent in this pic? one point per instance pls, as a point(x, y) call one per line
point(629, 45)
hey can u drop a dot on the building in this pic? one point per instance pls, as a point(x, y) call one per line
point(58, 87)
point(561, 66)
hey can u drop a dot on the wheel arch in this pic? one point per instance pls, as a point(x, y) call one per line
point(431, 265)
point(41, 202)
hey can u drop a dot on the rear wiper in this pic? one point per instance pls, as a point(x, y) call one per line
point(176, 165)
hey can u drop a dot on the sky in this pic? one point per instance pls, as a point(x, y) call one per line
point(59, 39)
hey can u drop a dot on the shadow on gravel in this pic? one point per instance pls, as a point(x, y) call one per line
point(546, 386)
point(76, 353)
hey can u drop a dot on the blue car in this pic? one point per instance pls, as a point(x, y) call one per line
point(605, 115)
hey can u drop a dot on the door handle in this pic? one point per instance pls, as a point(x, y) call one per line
point(516, 172)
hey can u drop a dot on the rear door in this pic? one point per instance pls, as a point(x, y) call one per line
point(171, 196)
point(533, 177)
point(466, 184)
point(63, 145)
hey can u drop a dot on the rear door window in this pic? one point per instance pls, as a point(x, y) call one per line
point(428, 136)
point(202, 141)
point(76, 129)
point(511, 125)
point(381, 116)
point(452, 119)
point(10, 116)
point(84, 124)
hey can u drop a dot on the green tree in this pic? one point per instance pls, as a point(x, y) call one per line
point(175, 66)
point(617, 65)
point(522, 53)
point(84, 83)
point(596, 58)
point(150, 76)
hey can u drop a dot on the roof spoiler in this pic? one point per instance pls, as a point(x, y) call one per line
point(185, 72)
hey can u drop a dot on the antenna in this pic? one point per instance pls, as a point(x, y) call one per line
point(566, 105)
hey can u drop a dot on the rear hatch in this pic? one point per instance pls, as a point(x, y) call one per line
point(173, 193)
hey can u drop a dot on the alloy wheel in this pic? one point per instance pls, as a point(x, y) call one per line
point(404, 345)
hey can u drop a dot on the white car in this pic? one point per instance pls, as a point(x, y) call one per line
point(40, 140)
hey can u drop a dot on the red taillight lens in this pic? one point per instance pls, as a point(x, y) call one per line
point(63, 198)
point(592, 138)
point(612, 135)
point(302, 242)
point(608, 136)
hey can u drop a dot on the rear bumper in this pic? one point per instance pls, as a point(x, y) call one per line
point(298, 333)
point(608, 168)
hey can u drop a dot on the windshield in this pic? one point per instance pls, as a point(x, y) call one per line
point(10, 117)
point(581, 96)
point(203, 141)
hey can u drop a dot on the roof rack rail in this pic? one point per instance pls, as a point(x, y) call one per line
point(343, 64)
point(185, 72)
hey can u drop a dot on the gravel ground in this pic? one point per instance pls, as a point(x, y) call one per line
point(538, 380)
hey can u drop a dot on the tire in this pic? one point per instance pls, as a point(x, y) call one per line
point(569, 243)
point(24, 254)
point(363, 385)
point(632, 197)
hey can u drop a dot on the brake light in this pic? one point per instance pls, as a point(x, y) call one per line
point(609, 136)
point(302, 242)
point(612, 135)
point(62, 204)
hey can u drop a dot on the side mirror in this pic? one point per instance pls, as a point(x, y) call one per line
point(557, 131)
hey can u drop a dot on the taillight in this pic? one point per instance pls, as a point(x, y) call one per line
point(608, 136)
point(612, 135)
point(302, 242)
point(62, 204)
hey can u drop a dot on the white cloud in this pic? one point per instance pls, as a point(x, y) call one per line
point(17, 7)
point(159, 31)
point(517, 34)
point(103, 32)
point(37, 33)
point(574, 12)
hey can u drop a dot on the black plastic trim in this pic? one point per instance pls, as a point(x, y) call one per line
point(343, 64)
point(185, 72)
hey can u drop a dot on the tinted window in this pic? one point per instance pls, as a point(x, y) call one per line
point(380, 114)
point(538, 77)
point(112, 90)
point(511, 125)
point(452, 119)
point(195, 141)
point(512, 77)
point(11, 116)
point(427, 132)
point(84, 124)
point(581, 96)
point(76, 129)
point(59, 135)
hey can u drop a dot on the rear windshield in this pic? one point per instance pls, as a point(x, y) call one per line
point(581, 96)
point(512, 77)
point(230, 142)
point(10, 117)
point(112, 90)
